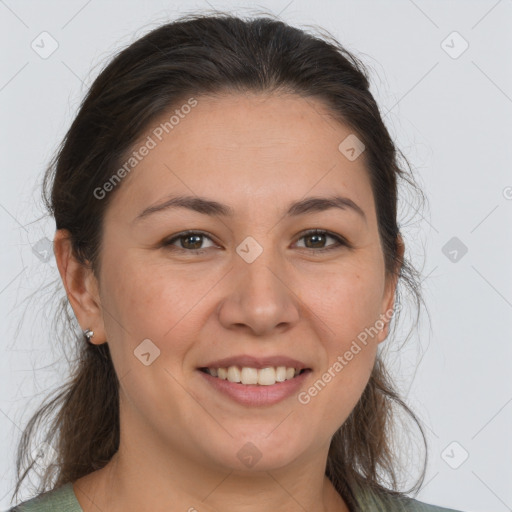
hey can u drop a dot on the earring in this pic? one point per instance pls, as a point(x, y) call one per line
point(89, 334)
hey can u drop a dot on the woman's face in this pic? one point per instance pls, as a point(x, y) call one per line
point(259, 290)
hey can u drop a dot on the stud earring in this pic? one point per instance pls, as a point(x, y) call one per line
point(89, 334)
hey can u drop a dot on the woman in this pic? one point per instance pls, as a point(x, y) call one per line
point(225, 204)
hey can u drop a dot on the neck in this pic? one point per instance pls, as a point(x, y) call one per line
point(132, 481)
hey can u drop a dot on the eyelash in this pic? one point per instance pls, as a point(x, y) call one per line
point(340, 241)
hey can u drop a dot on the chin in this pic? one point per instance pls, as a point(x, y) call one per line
point(259, 452)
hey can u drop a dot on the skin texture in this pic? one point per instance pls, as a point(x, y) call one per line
point(179, 437)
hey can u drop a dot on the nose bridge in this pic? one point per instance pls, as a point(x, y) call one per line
point(260, 298)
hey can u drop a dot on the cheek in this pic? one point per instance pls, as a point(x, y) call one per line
point(349, 302)
point(146, 303)
point(349, 308)
point(339, 383)
point(152, 301)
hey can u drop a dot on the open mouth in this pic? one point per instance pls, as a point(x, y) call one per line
point(254, 376)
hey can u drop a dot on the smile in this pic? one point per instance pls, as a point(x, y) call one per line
point(249, 391)
point(254, 376)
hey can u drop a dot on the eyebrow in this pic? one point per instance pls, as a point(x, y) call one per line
point(216, 209)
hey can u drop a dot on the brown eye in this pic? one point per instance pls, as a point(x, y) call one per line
point(318, 239)
point(189, 241)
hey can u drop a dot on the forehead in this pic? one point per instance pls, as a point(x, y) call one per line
point(245, 146)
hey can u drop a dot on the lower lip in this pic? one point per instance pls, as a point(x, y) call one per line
point(254, 394)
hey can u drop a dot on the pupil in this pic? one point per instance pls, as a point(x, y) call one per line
point(198, 240)
point(317, 236)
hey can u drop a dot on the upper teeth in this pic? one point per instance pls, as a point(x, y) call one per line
point(246, 375)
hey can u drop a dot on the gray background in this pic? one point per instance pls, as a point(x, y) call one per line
point(450, 112)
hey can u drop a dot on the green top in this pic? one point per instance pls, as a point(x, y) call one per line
point(63, 499)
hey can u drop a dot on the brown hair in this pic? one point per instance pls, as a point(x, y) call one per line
point(211, 54)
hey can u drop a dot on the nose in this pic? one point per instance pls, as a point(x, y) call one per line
point(260, 299)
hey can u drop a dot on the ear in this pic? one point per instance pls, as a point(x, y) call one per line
point(390, 290)
point(81, 287)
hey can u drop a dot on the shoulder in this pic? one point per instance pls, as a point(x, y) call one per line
point(412, 505)
point(62, 499)
point(377, 500)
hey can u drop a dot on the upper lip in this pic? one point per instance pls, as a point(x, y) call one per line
point(256, 362)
